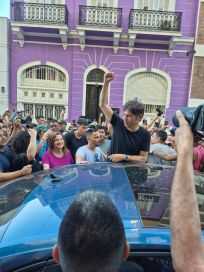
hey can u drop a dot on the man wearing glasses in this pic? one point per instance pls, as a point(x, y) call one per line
point(90, 153)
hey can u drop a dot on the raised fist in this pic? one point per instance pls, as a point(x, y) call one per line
point(108, 77)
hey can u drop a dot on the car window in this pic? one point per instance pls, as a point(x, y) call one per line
point(151, 186)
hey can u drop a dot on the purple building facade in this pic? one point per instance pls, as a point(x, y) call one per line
point(60, 50)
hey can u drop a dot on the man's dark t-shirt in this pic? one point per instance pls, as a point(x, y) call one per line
point(127, 142)
point(73, 143)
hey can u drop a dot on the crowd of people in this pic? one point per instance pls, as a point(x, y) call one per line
point(92, 237)
point(28, 145)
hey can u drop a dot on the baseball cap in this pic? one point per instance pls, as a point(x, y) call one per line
point(82, 121)
point(41, 128)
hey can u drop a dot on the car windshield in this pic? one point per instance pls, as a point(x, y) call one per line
point(150, 193)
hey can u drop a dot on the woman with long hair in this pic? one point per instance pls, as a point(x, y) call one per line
point(57, 155)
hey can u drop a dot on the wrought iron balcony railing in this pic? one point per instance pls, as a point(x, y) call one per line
point(100, 16)
point(154, 20)
point(40, 13)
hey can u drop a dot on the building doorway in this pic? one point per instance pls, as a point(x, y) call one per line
point(94, 84)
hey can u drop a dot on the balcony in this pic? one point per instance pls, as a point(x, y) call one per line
point(101, 19)
point(40, 13)
point(152, 20)
point(100, 16)
point(147, 24)
point(39, 20)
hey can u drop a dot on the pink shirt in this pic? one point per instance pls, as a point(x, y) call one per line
point(53, 161)
point(199, 150)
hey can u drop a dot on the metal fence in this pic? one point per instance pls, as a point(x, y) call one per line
point(100, 16)
point(40, 13)
point(154, 20)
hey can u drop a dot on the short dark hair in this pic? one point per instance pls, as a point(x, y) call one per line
point(21, 142)
point(91, 235)
point(134, 106)
point(162, 135)
point(82, 122)
point(100, 127)
point(90, 131)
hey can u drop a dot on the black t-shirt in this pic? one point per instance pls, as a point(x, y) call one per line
point(73, 143)
point(127, 142)
point(20, 160)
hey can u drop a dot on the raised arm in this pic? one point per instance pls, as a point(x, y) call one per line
point(32, 148)
point(186, 246)
point(106, 109)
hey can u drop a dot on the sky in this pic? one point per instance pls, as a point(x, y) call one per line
point(5, 8)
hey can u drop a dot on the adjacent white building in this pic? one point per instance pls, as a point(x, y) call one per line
point(4, 64)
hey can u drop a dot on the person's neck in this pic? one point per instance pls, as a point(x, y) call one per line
point(102, 141)
point(57, 151)
point(77, 135)
point(133, 128)
point(91, 147)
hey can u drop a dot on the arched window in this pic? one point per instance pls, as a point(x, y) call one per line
point(96, 75)
point(43, 76)
point(43, 89)
point(150, 88)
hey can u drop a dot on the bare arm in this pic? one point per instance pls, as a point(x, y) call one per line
point(187, 249)
point(149, 126)
point(43, 140)
point(106, 109)
point(166, 157)
point(142, 157)
point(26, 170)
point(80, 159)
point(32, 148)
point(46, 166)
point(16, 129)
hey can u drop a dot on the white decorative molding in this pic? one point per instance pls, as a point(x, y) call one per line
point(199, 50)
point(131, 38)
point(63, 34)
point(116, 40)
point(23, 67)
point(82, 35)
point(192, 102)
point(82, 38)
point(172, 46)
point(18, 31)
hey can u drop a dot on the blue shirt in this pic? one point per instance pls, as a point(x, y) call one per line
point(43, 149)
point(90, 156)
point(5, 160)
